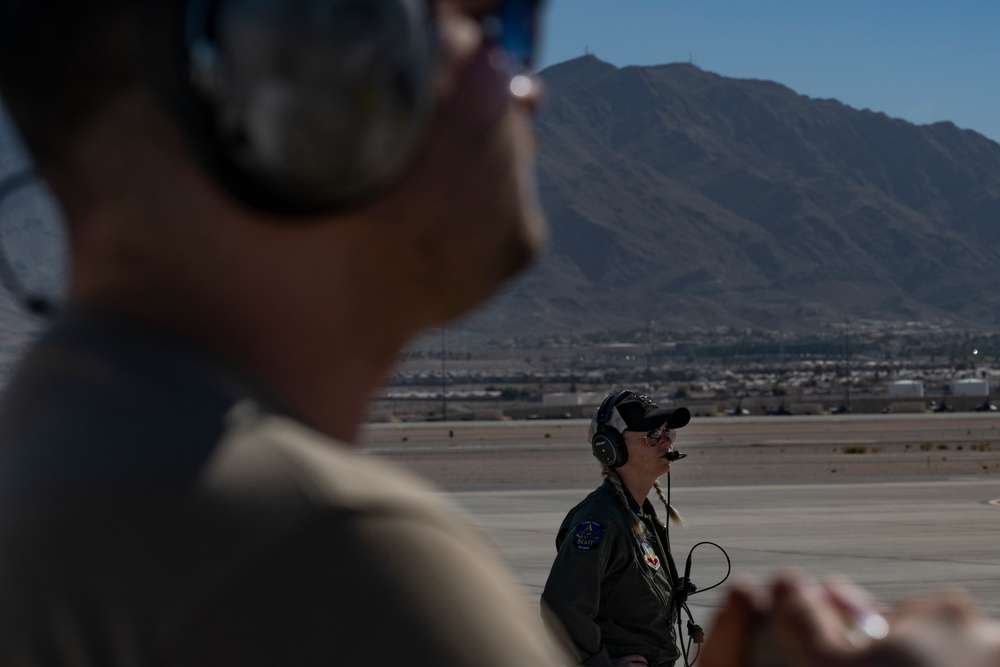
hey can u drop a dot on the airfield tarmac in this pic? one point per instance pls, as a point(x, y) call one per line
point(903, 504)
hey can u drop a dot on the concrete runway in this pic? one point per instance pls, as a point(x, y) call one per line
point(897, 538)
point(902, 504)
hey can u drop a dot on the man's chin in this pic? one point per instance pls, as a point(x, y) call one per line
point(519, 252)
point(527, 247)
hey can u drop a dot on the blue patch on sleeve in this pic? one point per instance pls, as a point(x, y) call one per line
point(587, 535)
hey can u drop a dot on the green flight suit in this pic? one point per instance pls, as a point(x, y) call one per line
point(610, 592)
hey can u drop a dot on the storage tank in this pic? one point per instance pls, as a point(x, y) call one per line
point(906, 389)
point(970, 387)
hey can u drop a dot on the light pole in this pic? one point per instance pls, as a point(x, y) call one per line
point(847, 368)
point(649, 357)
point(444, 382)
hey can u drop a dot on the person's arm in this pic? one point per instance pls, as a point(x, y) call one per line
point(572, 595)
point(808, 628)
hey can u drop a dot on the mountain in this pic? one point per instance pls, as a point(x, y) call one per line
point(692, 199)
point(695, 200)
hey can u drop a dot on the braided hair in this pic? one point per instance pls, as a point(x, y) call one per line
point(611, 475)
point(674, 515)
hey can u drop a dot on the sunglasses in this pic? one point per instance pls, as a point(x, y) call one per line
point(653, 437)
point(514, 27)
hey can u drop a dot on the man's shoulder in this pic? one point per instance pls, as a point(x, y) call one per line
point(369, 542)
point(287, 461)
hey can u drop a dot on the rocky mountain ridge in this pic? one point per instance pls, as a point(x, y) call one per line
point(689, 199)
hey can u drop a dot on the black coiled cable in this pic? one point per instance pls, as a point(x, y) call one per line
point(684, 588)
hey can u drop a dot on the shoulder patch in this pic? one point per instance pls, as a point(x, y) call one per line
point(650, 556)
point(587, 535)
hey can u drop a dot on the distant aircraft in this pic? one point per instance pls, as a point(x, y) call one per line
point(985, 406)
point(780, 410)
point(737, 410)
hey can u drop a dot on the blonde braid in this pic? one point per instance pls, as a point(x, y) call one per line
point(674, 515)
point(611, 475)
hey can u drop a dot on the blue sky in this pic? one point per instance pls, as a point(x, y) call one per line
point(920, 60)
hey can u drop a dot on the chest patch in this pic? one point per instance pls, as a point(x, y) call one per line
point(650, 556)
point(587, 535)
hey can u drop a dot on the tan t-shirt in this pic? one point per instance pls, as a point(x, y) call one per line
point(289, 549)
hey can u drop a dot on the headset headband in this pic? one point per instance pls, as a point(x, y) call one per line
point(604, 412)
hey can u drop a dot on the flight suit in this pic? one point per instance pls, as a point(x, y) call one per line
point(610, 592)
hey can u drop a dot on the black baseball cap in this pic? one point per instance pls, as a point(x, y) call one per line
point(637, 412)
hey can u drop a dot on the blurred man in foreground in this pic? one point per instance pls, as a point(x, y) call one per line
point(266, 200)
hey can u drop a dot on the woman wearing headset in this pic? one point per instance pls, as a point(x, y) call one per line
point(610, 593)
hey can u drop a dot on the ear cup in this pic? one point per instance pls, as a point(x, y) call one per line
point(607, 444)
point(609, 447)
point(309, 105)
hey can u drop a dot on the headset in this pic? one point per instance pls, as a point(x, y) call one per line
point(309, 106)
point(31, 299)
point(607, 444)
point(304, 106)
